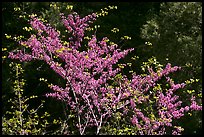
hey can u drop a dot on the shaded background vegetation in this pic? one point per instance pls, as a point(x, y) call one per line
point(174, 29)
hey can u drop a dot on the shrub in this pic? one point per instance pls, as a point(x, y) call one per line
point(21, 119)
point(95, 89)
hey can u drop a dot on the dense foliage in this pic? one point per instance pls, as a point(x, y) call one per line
point(176, 35)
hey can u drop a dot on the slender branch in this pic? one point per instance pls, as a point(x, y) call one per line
point(63, 127)
point(92, 112)
point(119, 96)
point(85, 125)
point(79, 118)
point(36, 109)
point(19, 98)
point(25, 108)
point(50, 55)
point(99, 127)
point(86, 85)
point(126, 103)
point(95, 31)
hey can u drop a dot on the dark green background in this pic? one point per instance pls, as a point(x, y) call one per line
point(129, 18)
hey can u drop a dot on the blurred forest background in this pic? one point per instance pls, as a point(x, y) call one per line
point(169, 31)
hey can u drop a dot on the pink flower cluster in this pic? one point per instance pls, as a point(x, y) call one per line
point(77, 26)
point(168, 105)
point(89, 76)
point(86, 72)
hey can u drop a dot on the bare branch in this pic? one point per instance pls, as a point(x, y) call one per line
point(99, 127)
point(85, 124)
point(92, 112)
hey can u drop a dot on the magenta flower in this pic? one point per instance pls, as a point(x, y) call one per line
point(134, 120)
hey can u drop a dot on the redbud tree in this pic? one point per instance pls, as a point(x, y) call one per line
point(90, 73)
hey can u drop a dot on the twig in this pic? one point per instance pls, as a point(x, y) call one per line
point(126, 103)
point(25, 108)
point(36, 109)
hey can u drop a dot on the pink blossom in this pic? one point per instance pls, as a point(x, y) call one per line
point(132, 103)
point(134, 120)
